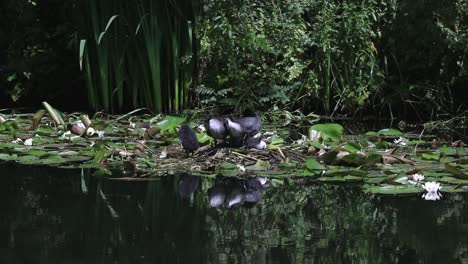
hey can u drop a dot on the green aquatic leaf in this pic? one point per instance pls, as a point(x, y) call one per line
point(351, 147)
point(389, 132)
point(455, 171)
point(287, 165)
point(448, 151)
point(228, 166)
point(430, 156)
point(8, 157)
point(331, 132)
point(312, 164)
point(392, 189)
point(9, 125)
point(170, 123)
point(53, 160)
point(340, 171)
point(347, 178)
point(203, 138)
point(371, 133)
point(354, 160)
point(260, 165)
point(276, 140)
point(453, 180)
point(382, 144)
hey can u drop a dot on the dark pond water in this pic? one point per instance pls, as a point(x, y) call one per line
point(47, 217)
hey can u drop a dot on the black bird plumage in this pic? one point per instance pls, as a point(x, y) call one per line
point(241, 129)
point(188, 139)
point(216, 128)
point(256, 143)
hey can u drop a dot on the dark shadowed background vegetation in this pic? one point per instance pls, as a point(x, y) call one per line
point(372, 57)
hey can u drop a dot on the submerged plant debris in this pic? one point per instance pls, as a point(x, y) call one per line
point(139, 146)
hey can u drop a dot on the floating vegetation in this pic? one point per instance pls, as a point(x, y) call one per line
point(142, 147)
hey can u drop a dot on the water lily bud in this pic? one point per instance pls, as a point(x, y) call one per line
point(90, 131)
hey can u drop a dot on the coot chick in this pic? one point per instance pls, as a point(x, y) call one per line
point(251, 123)
point(188, 139)
point(236, 132)
point(241, 129)
point(216, 128)
point(256, 142)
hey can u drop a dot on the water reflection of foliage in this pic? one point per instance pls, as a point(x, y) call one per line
point(292, 224)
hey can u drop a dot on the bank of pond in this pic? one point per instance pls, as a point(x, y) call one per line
point(295, 148)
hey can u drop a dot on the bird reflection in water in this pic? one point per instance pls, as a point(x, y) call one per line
point(187, 186)
point(232, 192)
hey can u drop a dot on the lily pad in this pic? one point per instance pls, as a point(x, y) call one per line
point(261, 165)
point(331, 132)
point(170, 122)
point(431, 156)
point(455, 171)
point(313, 164)
point(392, 189)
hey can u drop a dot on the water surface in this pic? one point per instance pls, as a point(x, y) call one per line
point(49, 216)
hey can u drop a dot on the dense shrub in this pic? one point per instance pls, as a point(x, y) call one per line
point(334, 56)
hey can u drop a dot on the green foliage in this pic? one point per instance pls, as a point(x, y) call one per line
point(141, 50)
point(336, 56)
point(332, 132)
point(271, 53)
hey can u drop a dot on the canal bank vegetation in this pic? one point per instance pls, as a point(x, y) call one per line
point(398, 59)
point(309, 68)
point(143, 147)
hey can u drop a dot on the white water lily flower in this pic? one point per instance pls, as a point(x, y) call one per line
point(241, 168)
point(432, 187)
point(418, 177)
point(28, 142)
point(432, 196)
point(90, 131)
point(16, 141)
point(401, 141)
point(100, 133)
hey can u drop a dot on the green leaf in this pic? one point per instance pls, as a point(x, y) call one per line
point(331, 132)
point(389, 132)
point(351, 147)
point(347, 178)
point(392, 189)
point(312, 164)
point(203, 138)
point(36, 152)
point(430, 156)
point(9, 125)
point(261, 165)
point(455, 171)
point(228, 166)
point(170, 122)
point(448, 151)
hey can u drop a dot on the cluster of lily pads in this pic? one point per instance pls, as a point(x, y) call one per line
point(139, 146)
